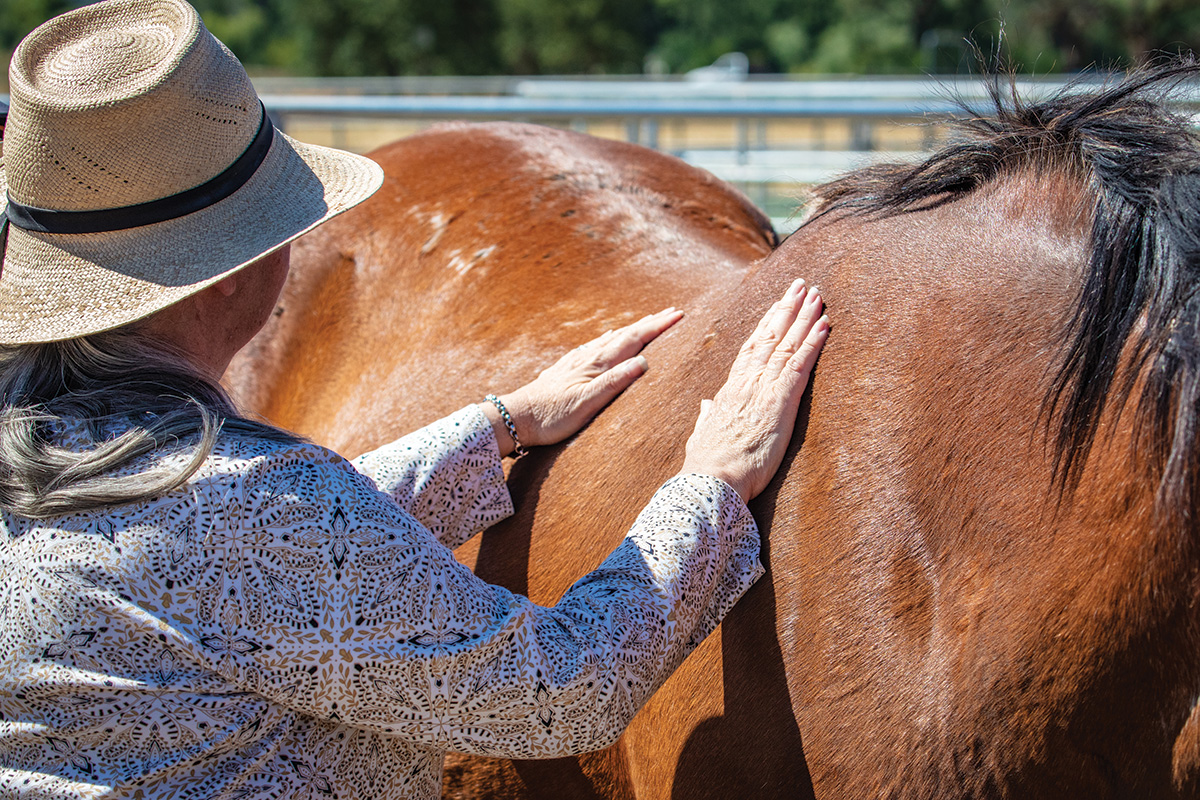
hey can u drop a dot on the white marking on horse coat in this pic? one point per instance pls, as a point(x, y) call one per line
point(440, 224)
point(463, 265)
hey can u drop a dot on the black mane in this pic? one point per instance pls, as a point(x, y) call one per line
point(1141, 288)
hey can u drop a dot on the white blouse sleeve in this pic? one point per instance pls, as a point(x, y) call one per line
point(447, 475)
point(358, 614)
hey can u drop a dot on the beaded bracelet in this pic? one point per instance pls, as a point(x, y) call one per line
point(518, 450)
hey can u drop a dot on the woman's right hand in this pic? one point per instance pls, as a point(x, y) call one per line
point(743, 432)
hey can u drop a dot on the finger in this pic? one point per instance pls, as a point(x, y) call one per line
point(790, 341)
point(648, 328)
point(760, 330)
point(785, 314)
point(629, 341)
point(603, 339)
point(603, 388)
point(805, 357)
point(794, 378)
point(659, 321)
point(773, 326)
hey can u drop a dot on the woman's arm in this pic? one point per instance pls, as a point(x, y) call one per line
point(383, 629)
point(448, 474)
point(336, 603)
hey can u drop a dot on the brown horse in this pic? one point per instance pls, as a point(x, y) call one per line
point(982, 548)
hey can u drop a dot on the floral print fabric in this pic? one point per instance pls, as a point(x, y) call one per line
point(287, 625)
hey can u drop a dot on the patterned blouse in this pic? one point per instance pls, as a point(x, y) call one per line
point(292, 625)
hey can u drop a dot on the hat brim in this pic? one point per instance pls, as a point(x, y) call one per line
point(62, 286)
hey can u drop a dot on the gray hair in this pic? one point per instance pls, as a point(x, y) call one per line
point(132, 396)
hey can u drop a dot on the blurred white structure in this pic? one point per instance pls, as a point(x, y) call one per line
point(729, 67)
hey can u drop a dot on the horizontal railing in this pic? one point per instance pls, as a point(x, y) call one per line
point(643, 108)
point(425, 107)
point(760, 97)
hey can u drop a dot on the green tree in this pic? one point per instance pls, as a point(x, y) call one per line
point(582, 36)
point(396, 37)
point(19, 17)
point(481, 37)
point(774, 34)
point(888, 43)
point(1104, 33)
point(259, 32)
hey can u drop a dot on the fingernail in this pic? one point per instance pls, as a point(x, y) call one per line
point(640, 361)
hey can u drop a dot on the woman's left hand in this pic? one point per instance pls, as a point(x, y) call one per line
point(573, 390)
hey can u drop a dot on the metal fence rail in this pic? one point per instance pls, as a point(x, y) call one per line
point(771, 135)
point(507, 107)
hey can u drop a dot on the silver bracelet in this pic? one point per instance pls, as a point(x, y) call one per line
point(518, 450)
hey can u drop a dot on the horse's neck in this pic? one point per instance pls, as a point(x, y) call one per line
point(919, 544)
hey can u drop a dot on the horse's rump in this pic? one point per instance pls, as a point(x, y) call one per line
point(488, 250)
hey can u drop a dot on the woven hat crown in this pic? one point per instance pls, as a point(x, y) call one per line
point(121, 103)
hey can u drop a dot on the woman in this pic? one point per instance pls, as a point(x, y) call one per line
point(197, 604)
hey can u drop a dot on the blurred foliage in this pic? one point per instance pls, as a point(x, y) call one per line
point(575, 36)
point(482, 37)
point(18, 17)
point(391, 37)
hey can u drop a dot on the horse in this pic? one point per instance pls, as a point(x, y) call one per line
point(982, 546)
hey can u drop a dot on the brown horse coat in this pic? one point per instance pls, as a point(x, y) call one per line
point(954, 607)
point(488, 248)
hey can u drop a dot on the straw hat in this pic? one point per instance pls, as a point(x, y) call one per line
point(139, 167)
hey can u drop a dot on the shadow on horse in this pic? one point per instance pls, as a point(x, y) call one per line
point(982, 547)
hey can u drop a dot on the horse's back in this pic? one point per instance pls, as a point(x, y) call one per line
point(488, 248)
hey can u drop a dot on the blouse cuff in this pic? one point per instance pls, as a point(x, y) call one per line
point(448, 475)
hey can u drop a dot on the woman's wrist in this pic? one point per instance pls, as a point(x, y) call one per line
point(725, 476)
point(496, 409)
